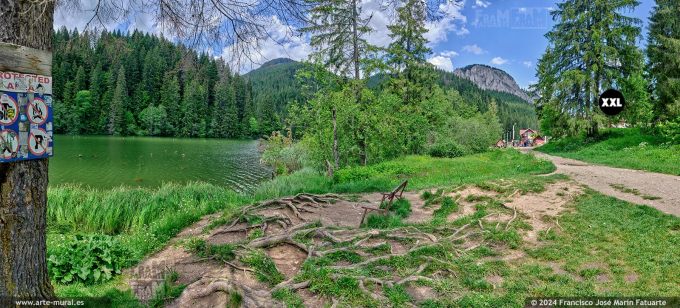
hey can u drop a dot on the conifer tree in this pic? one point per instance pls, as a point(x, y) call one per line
point(170, 98)
point(663, 52)
point(192, 122)
point(591, 48)
point(225, 115)
point(97, 90)
point(407, 54)
point(338, 35)
point(118, 102)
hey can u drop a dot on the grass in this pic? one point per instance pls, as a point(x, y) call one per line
point(627, 190)
point(400, 209)
point(606, 236)
point(145, 219)
point(201, 248)
point(167, 291)
point(604, 242)
point(421, 171)
point(601, 243)
point(624, 148)
point(265, 269)
point(448, 206)
point(622, 188)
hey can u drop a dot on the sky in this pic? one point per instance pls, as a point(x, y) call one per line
point(507, 34)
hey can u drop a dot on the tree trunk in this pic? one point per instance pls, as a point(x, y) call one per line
point(23, 185)
point(336, 156)
point(357, 75)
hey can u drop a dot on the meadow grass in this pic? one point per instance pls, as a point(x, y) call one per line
point(145, 219)
point(605, 247)
point(618, 240)
point(622, 147)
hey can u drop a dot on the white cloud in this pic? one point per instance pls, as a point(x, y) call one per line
point(498, 61)
point(78, 17)
point(481, 3)
point(528, 63)
point(448, 53)
point(281, 43)
point(379, 20)
point(442, 63)
point(452, 22)
point(474, 49)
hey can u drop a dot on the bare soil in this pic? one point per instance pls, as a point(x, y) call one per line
point(210, 283)
point(601, 178)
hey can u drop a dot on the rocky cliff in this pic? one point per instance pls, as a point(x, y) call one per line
point(491, 78)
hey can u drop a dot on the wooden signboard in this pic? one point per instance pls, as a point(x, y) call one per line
point(25, 106)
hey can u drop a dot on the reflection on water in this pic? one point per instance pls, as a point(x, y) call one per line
point(106, 162)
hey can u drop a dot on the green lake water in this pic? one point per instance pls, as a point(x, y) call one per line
point(105, 162)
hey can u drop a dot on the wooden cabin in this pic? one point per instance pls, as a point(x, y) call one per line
point(539, 141)
point(526, 137)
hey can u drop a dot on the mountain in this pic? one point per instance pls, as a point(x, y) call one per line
point(274, 84)
point(491, 78)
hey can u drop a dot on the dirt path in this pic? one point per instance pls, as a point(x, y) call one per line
point(661, 191)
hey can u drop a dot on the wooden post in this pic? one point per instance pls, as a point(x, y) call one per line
point(23, 184)
point(20, 59)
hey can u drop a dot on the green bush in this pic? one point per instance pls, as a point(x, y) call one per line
point(670, 130)
point(446, 149)
point(87, 259)
point(282, 154)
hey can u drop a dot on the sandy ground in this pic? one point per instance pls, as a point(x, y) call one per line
point(600, 178)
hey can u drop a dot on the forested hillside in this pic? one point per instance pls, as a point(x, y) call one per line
point(274, 88)
point(511, 109)
point(139, 84)
point(274, 85)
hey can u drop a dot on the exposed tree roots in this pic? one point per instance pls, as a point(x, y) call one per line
point(317, 241)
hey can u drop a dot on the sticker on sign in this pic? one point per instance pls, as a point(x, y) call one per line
point(25, 117)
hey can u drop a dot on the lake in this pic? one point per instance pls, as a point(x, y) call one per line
point(105, 162)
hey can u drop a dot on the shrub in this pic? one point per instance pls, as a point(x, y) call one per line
point(88, 259)
point(446, 149)
point(670, 130)
point(282, 154)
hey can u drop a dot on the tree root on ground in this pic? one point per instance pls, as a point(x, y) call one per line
point(317, 240)
point(250, 297)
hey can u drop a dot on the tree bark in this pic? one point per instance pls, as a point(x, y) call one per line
point(336, 156)
point(357, 75)
point(23, 185)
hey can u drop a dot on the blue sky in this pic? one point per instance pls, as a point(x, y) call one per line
point(508, 34)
